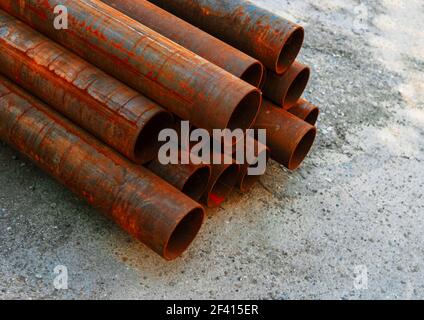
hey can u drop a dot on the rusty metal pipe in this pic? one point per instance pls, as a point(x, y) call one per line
point(289, 138)
point(181, 81)
point(221, 183)
point(144, 205)
point(286, 89)
point(245, 182)
point(194, 39)
point(260, 33)
point(306, 111)
point(114, 113)
point(191, 179)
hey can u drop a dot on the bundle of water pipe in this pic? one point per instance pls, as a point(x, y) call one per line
point(87, 87)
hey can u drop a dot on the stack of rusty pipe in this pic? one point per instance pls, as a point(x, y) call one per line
point(87, 87)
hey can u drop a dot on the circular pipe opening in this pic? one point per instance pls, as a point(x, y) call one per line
point(246, 111)
point(290, 50)
point(248, 181)
point(147, 144)
point(223, 186)
point(302, 149)
point(196, 185)
point(254, 74)
point(184, 234)
point(312, 117)
point(297, 87)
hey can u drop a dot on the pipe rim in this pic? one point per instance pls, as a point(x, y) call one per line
point(146, 144)
point(297, 88)
point(312, 116)
point(290, 50)
point(254, 74)
point(247, 181)
point(246, 111)
point(222, 186)
point(184, 233)
point(196, 184)
point(303, 146)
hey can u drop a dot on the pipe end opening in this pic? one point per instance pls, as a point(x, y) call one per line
point(223, 186)
point(254, 74)
point(297, 87)
point(246, 111)
point(290, 50)
point(184, 234)
point(196, 185)
point(302, 149)
point(147, 144)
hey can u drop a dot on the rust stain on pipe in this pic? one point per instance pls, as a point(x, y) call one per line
point(181, 81)
point(194, 39)
point(305, 111)
point(222, 182)
point(245, 182)
point(260, 33)
point(286, 89)
point(191, 179)
point(110, 110)
point(145, 206)
point(289, 138)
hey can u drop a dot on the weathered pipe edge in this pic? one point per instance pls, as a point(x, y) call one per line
point(145, 206)
point(114, 113)
point(176, 78)
point(270, 38)
point(289, 138)
point(192, 38)
point(306, 111)
point(286, 89)
point(245, 182)
point(222, 181)
point(191, 179)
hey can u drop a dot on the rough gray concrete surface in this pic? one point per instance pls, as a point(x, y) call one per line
point(355, 208)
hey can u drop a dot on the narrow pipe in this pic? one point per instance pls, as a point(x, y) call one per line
point(289, 138)
point(212, 49)
point(191, 179)
point(127, 193)
point(181, 81)
point(221, 183)
point(245, 182)
point(286, 89)
point(114, 113)
point(258, 32)
point(305, 111)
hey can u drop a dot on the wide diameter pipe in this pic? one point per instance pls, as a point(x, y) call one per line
point(258, 32)
point(114, 113)
point(245, 181)
point(181, 81)
point(286, 89)
point(289, 138)
point(145, 206)
point(306, 111)
point(222, 181)
point(194, 39)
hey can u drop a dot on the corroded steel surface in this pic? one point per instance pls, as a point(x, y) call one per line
point(191, 179)
point(114, 113)
point(245, 181)
point(212, 49)
point(305, 111)
point(289, 138)
point(260, 33)
point(144, 205)
point(181, 81)
point(286, 89)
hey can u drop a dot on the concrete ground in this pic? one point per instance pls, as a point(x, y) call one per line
point(347, 225)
